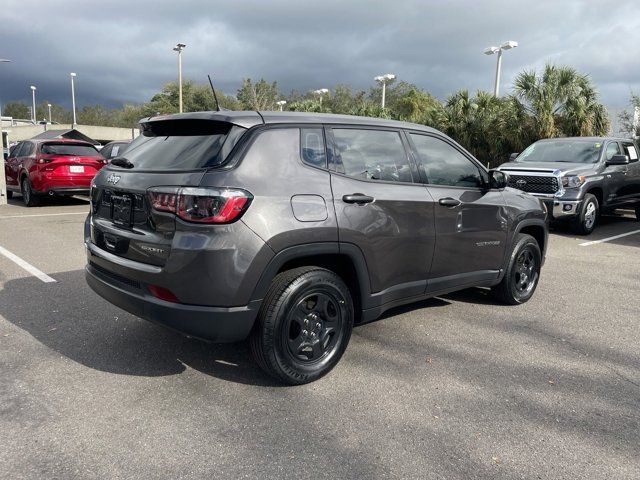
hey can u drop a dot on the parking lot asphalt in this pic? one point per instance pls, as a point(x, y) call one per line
point(453, 387)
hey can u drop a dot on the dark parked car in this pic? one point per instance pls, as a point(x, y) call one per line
point(51, 167)
point(114, 149)
point(579, 177)
point(289, 228)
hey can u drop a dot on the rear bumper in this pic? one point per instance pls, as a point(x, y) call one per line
point(216, 324)
point(68, 191)
point(62, 184)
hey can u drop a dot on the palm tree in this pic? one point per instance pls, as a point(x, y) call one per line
point(561, 102)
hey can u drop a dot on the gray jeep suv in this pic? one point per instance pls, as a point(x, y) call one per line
point(289, 228)
point(579, 177)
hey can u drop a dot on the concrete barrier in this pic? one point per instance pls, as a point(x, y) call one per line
point(101, 134)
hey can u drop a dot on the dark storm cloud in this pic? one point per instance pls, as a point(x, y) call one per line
point(121, 50)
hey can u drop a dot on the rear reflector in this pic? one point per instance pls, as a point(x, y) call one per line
point(163, 294)
point(201, 205)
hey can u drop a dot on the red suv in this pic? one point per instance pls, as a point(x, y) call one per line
point(53, 167)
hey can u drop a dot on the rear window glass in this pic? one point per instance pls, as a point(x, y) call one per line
point(182, 144)
point(69, 149)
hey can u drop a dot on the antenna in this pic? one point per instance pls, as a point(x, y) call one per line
point(215, 97)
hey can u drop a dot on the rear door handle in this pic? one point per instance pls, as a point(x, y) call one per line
point(449, 202)
point(359, 198)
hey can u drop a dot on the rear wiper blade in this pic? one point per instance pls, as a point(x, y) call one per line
point(121, 162)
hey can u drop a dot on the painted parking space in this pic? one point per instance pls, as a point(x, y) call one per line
point(460, 376)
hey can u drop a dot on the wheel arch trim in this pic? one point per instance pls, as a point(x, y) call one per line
point(315, 249)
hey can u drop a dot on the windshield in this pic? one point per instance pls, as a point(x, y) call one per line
point(72, 149)
point(181, 145)
point(562, 150)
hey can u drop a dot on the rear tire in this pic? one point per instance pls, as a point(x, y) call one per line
point(28, 196)
point(304, 325)
point(9, 194)
point(587, 219)
point(523, 273)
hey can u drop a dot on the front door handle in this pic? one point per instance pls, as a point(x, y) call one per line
point(359, 198)
point(449, 202)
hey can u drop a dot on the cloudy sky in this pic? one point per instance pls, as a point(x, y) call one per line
point(121, 50)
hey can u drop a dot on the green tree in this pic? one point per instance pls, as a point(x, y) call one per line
point(561, 101)
point(16, 110)
point(628, 120)
point(418, 106)
point(260, 95)
point(97, 115)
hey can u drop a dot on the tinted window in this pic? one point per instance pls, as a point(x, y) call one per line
point(612, 149)
point(27, 149)
point(371, 155)
point(71, 149)
point(182, 144)
point(106, 151)
point(312, 143)
point(444, 165)
point(15, 150)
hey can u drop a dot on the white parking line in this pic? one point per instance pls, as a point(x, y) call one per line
point(26, 265)
point(586, 244)
point(43, 215)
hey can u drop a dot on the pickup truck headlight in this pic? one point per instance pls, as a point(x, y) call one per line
point(573, 181)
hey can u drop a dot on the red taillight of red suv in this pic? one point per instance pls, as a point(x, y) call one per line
point(201, 205)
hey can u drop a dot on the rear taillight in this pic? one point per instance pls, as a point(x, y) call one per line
point(201, 205)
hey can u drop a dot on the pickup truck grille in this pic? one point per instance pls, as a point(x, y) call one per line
point(534, 183)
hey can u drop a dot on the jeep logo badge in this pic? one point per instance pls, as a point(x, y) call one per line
point(520, 183)
point(113, 179)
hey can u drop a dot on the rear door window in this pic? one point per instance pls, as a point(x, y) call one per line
point(369, 154)
point(69, 149)
point(182, 144)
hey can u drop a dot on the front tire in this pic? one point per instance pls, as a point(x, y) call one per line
point(586, 221)
point(522, 275)
point(304, 325)
point(28, 196)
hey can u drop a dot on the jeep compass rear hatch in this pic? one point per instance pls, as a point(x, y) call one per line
point(144, 197)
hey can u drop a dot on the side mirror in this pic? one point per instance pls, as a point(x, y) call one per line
point(513, 156)
point(498, 179)
point(618, 160)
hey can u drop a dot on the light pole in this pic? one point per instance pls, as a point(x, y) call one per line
point(321, 92)
point(178, 48)
point(3, 185)
point(49, 107)
point(33, 104)
point(281, 103)
point(384, 80)
point(492, 50)
point(73, 98)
